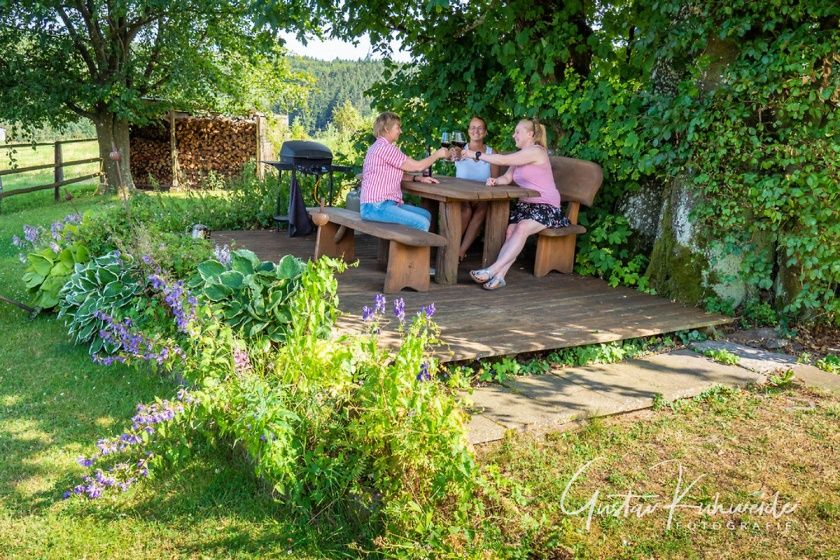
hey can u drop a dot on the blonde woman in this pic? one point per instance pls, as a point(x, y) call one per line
point(385, 167)
point(473, 214)
point(529, 168)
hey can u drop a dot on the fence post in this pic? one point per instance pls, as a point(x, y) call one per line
point(59, 170)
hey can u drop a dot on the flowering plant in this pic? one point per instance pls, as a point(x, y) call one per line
point(50, 258)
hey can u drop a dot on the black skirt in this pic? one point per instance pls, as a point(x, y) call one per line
point(546, 214)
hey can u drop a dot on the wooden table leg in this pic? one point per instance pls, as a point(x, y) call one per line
point(449, 226)
point(495, 227)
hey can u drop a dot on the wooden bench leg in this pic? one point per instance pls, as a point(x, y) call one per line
point(555, 253)
point(382, 253)
point(326, 243)
point(408, 267)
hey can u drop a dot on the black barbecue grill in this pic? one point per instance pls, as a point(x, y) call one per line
point(308, 158)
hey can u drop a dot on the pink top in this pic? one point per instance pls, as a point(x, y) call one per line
point(382, 173)
point(537, 176)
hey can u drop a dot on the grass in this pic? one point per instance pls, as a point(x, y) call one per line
point(24, 157)
point(55, 404)
point(742, 444)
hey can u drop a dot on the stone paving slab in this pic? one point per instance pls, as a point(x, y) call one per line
point(815, 377)
point(551, 400)
point(755, 359)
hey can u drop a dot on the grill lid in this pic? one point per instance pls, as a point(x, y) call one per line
point(305, 152)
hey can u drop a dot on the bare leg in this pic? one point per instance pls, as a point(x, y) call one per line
point(517, 234)
point(473, 227)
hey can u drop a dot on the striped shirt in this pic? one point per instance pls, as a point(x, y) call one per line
point(382, 173)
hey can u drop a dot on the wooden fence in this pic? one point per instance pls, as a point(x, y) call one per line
point(58, 167)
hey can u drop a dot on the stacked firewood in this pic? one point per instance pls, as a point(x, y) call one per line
point(151, 155)
point(221, 145)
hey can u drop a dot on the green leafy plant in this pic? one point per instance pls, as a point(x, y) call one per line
point(103, 285)
point(605, 252)
point(721, 356)
point(758, 313)
point(781, 380)
point(47, 271)
point(252, 295)
point(830, 363)
point(499, 371)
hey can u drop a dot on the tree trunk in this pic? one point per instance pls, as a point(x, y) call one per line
point(112, 133)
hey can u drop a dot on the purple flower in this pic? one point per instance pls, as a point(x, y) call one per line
point(54, 246)
point(222, 254)
point(424, 374)
point(55, 230)
point(17, 241)
point(31, 233)
point(84, 461)
point(379, 300)
point(75, 218)
point(399, 309)
point(367, 313)
point(241, 361)
point(430, 310)
point(147, 260)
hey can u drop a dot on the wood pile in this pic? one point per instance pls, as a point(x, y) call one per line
point(204, 145)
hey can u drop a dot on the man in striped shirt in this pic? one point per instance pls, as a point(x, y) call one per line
point(383, 171)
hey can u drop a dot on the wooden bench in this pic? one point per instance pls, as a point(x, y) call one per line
point(578, 182)
point(403, 250)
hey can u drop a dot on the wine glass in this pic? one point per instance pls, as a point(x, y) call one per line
point(459, 142)
point(445, 140)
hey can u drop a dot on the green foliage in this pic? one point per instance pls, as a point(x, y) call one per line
point(47, 271)
point(102, 285)
point(722, 356)
point(605, 252)
point(830, 363)
point(126, 63)
point(758, 314)
point(781, 380)
point(252, 295)
point(738, 101)
point(338, 86)
point(161, 220)
point(714, 304)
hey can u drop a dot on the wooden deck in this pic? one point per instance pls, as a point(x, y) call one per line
point(529, 315)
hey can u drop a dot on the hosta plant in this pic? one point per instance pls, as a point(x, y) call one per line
point(251, 295)
point(48, 270)
point(102, 286)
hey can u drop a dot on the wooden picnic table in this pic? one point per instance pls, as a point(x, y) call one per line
point(449, 194)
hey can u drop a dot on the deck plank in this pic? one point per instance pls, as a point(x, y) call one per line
point(529, 315)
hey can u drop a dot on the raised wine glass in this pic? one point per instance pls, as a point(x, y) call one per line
point(459, 142)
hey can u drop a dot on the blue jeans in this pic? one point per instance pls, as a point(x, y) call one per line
point(391, 212)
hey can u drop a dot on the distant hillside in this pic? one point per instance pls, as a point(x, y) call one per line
point(334, 82)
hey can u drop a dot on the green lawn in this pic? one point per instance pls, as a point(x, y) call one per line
point(55, 404)
point(24, 157)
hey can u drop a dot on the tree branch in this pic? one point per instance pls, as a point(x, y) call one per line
point(77, 42)
point(96, 38)
point(79, 111)
point(153, 56)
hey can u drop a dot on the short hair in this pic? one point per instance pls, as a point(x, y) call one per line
point(540, 134)
point(384, 122)
point(477, 118)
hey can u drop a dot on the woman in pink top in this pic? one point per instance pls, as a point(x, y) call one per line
point(384, 169)
point(529, 168)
